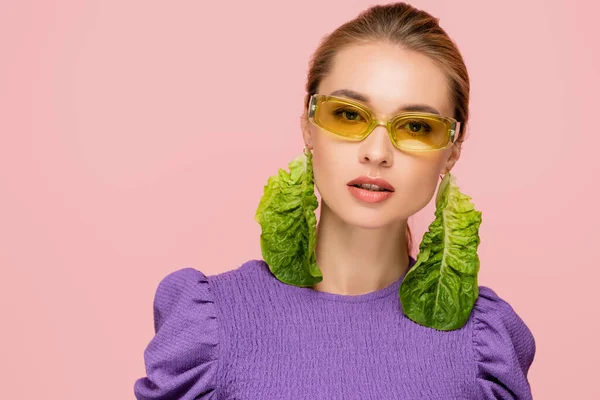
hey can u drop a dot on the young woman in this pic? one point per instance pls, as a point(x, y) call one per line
point(247, 334)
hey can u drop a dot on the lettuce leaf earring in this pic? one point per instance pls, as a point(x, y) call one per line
point(286, 214)
point(439, 291)
point(441, 288)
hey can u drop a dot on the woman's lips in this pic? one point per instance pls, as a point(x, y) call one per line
point(369, 196)
point(382, 183)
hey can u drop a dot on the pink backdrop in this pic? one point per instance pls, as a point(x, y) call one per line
point(136, 138)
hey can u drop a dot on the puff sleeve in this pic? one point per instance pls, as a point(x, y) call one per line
point(504, 349)
point(182, 357)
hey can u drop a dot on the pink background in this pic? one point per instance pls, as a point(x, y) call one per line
point(136, 138)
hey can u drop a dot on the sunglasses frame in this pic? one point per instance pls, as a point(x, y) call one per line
point(452, 124)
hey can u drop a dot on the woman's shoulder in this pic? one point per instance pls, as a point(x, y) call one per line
point(504, 347)
point(190, 278)
point(192, 286)
point(250, 274)
point(491, 309)
point(250, 267)
point(183, 357)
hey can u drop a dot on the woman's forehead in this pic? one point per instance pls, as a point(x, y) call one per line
point(389, 77)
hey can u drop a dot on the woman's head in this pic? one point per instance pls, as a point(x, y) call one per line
point(393, 56)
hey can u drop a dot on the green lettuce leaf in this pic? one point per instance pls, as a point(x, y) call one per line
point(286, 214)
point(440, 290)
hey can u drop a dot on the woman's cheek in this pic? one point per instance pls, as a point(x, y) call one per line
point(320, 173)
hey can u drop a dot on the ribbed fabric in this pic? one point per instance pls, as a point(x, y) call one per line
point(243, 334)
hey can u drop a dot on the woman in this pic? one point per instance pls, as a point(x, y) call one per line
point(246, 334)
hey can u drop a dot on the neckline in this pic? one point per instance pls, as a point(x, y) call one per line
point(350, 298)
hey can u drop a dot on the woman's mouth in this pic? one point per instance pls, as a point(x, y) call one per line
point(369, 193)
point(371, 187)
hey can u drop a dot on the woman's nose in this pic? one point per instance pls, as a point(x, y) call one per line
point(377, 148)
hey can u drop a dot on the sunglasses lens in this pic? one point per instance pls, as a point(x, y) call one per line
point(420, 132)
point(342, 119)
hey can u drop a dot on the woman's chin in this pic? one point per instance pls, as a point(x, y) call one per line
point(368, 220)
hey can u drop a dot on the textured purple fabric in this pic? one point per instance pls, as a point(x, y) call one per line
point(243, 334)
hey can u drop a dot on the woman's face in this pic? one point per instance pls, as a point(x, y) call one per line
point(389, 77)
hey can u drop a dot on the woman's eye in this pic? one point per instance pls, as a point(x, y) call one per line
point(348, 115)
point(417, 127)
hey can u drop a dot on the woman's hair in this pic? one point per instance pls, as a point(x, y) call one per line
point(402, 25)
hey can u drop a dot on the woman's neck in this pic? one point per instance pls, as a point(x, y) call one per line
point(356, 260)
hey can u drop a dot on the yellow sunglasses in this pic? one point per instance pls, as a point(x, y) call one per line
point(412, 130)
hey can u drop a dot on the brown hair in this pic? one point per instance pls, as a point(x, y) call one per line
point(402, 25)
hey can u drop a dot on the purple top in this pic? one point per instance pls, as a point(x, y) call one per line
point(243, 334)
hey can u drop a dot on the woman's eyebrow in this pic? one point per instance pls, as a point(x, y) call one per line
point(365, 99)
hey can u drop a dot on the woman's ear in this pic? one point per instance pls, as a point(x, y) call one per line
point(452, 159)
point(306, 133)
